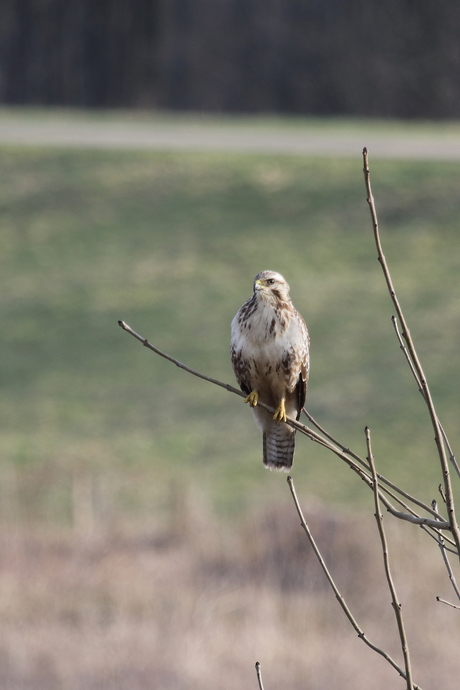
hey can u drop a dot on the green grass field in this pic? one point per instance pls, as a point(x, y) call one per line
point(170, 243)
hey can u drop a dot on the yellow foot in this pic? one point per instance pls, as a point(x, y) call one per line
point(252, 399)
point(280, 414)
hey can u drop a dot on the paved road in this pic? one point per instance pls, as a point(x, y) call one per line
point(401, 141)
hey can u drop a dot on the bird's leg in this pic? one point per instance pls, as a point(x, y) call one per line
point(280, 414)
point(252, 399)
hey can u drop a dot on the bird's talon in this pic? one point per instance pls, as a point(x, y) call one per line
point(252, 399)
point(280, 414)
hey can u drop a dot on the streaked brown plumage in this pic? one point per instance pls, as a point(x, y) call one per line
point(270, 358)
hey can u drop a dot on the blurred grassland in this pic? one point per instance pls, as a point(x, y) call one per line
point(54, 116)
point(170, 243)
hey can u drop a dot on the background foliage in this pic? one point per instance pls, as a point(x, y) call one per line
point(360, 57)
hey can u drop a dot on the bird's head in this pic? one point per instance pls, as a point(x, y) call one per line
point(271, 287)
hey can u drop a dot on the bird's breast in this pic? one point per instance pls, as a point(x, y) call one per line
point(262, 343)
point(263, 325)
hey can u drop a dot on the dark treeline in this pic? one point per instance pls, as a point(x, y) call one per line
point(392, 58)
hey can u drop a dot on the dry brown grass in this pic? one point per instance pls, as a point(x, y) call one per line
point(193, 604)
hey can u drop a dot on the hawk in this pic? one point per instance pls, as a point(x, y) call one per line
point(270, 357)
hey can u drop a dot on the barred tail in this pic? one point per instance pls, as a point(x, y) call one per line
point(278, 447)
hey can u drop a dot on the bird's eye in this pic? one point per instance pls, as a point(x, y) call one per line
point(270, 281)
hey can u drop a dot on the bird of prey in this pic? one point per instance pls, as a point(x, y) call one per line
point(270, 357)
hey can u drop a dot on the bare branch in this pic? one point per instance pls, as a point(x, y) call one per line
point(259, 676)
point(394, 321)
point(428, 528)
point(445, 558)
point(452, 457)
point(361, 634)
point(435, 537)
point(296, 425)
point(411, 516)
point(149, 345)
point(443, 601)
point(386, 562)
point(415, 519)
point(441, 491)
point(415, 360)
point(231, 389)
point(383, 489)
point(382, 479)
point(331, 444)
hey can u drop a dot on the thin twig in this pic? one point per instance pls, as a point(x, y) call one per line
point(331, 438)
point(452, 457)
point(344, 455)
point(445, 558)
point(450, 505)
point(441, 491)
point(361, 634)
point(411, 516)
point(231, 389)
point(434, 535)
point(414, 519)
point(432, 532)
point(386, 562)
point(443, 601)
point(149, 345)
point(382, 479)
point(259, 676)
